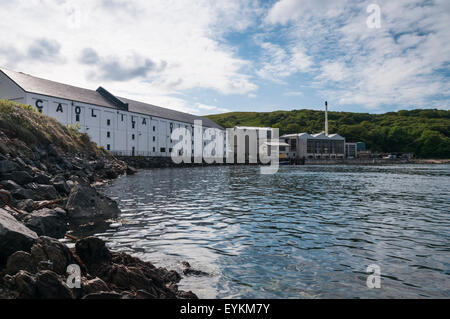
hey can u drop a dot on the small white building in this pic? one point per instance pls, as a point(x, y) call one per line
point(120, 125)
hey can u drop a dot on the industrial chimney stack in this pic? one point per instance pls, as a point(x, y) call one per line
point(326, 118)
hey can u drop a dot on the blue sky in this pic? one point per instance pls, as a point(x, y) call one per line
point(207, 57)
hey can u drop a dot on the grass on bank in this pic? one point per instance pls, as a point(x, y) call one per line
point(25, 123)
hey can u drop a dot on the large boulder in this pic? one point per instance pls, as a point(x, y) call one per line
point(50, 286)
point(85, 202)
point(43, 192)
point(14, 236)
point(18, 261)
point(15, 190)
point(44, 285)
point(93, 252)
point(20, 177)
point(42, 179)
point(62, 187)
point(10, 185)
point(7, 166)
point(25, 205)
point(48, 222)
point(49, 253)
point(23, 284)
point(22, 193)
point(95, 285)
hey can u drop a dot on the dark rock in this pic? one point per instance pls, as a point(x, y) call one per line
point(18, 261)
point(43, 192)
point(20, 162)
point(20, 177)
point(127, 273)
point(49, 253)
point(170, 276)
point(42, 179)
point(142, 294)
point(186, 295)
point(22, 193)
point(10, 185)
point(23, 283)
point(25, 204)
point(67, 164)
point(94, 286)
point(58, 178)
point(85, 202)
point(188, 271)
point(48, 222)
point(104, 296)
point(93, 252)
point(131, 170)
point(14, 236)
point(125, 277)
point(110, 174)
point(50, 286)
point(62, 187)
point(7, 166)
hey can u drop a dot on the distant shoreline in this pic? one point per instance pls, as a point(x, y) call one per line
point(375, 161)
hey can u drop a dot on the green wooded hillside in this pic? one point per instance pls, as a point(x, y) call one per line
point(424, 132)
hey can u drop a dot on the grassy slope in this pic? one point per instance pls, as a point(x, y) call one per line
point(27, 128)
point(424, 132)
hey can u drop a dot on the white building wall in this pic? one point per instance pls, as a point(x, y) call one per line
point(9, 90)
point(110, 128)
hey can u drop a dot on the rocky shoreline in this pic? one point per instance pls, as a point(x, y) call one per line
point(46, 191)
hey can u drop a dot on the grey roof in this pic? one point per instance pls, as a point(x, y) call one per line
point(36, 85)
point(319, 136)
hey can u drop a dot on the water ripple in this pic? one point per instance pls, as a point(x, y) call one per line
point(306, 232)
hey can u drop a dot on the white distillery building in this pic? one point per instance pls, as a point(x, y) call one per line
point(315, 146)
point(319, 146)
point(120, 125)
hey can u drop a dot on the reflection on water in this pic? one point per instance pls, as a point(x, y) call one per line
point(306, 232)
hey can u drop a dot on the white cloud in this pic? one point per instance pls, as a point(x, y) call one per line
point(293, 93)
point(211, 108)
point(162, 51)
point(279, 62)
point(285, 11)
point(398, 64)
point(132, 38)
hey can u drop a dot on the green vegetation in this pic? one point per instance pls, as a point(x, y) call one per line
point(24, 124)
point(423, 132)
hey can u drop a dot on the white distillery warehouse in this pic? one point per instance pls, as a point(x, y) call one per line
point(318, 146)
point(315, 146)
point(120, 125)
